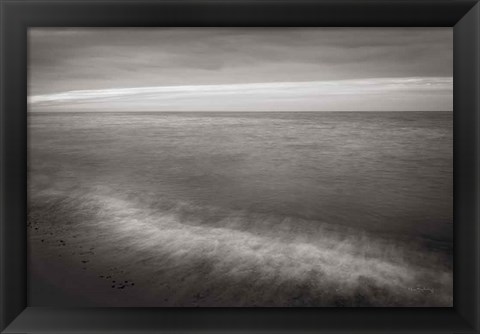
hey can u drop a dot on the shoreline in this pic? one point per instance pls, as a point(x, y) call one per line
point(204, 271)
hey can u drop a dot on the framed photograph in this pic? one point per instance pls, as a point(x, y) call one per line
point(193, 166)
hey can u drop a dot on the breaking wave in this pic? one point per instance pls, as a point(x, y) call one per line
point(198, 256)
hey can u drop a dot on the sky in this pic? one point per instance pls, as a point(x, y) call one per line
point(240, 69)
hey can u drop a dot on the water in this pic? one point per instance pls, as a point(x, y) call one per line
point(356, 184)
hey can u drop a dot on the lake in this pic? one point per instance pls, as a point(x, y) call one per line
point(241, 209)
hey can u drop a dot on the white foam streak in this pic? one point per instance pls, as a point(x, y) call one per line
point(234, 252)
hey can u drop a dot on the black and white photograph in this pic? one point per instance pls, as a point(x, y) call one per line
point(240, 167)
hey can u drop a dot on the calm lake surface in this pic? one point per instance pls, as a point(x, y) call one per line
point(368, 179)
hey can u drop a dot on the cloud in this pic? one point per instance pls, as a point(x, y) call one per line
point(410, 93)
point(67, 59)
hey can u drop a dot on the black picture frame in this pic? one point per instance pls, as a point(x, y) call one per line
point(18, 15)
